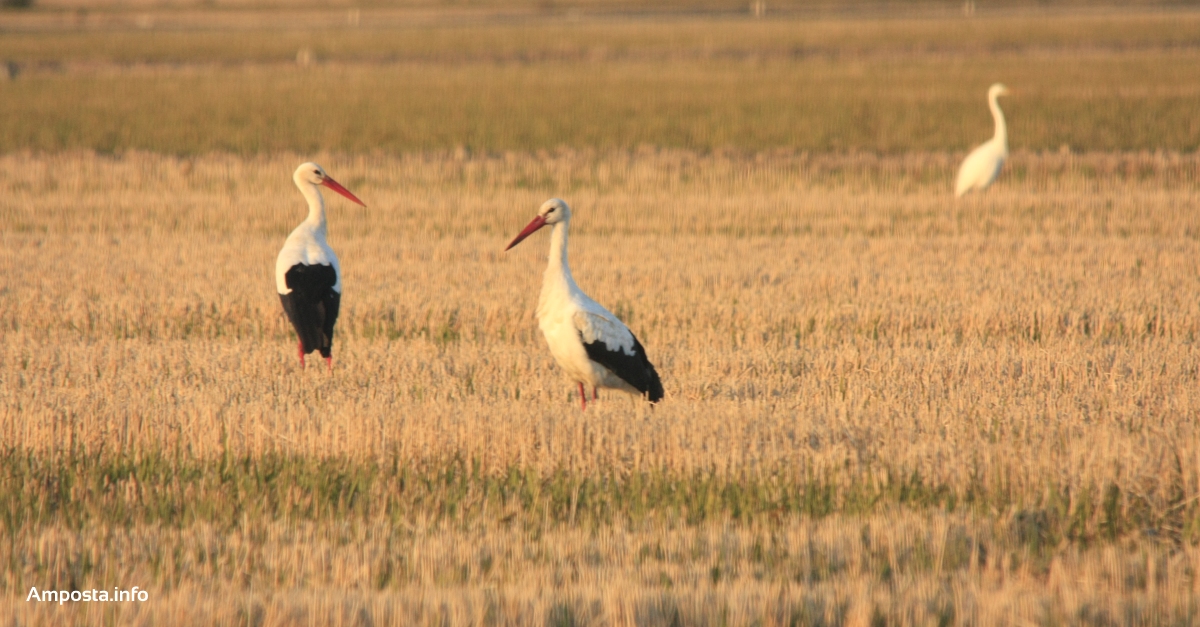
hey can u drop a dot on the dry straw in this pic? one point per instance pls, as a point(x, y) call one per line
point(836, 335)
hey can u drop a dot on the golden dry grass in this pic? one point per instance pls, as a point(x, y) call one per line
point(897, 568)
point(838, 338)
point(884, 406)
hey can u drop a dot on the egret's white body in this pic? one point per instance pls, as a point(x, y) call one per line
point(308, 276)
point(982, 166)
point(591, 345)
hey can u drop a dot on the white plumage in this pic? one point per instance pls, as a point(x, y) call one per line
point(586, 340)
point(307, 243)
point(982, 166)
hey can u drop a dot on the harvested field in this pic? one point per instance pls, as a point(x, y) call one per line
point(841, 343)
point(883, 406)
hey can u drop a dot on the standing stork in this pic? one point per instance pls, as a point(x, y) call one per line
point(307, 274)
point(982, 166)
point(587, 341)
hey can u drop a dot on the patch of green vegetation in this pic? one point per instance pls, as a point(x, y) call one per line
point(79, 490)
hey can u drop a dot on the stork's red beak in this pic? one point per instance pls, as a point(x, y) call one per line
point(337, 187)
point(537, 223)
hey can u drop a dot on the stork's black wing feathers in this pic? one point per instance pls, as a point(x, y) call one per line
point(312, 305)
point(635, 369)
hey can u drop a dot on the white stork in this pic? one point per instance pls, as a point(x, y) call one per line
point(307, 274)
point(982, 166)
point(587, 341)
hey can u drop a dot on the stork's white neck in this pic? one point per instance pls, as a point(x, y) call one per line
point(316, 204)
point(558, 279)
point(1001, 136)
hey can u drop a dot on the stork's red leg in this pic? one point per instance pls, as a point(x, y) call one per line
point(582, 397)
point(595, 394)
point(300, 351)
point(329, 362)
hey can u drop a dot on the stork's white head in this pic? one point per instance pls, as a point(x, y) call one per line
point(311, 174)
point(996, 90)
point(554, 211)
point(551, 212)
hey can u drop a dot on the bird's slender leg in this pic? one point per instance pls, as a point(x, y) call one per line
point(300, 351)
point(329, 362)
point(595, 394)
point(582, 397)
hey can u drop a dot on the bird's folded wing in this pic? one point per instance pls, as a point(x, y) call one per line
point(601, 326)
point(611, 344)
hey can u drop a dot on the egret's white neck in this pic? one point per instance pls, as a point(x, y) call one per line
point(316, 204)
point(1001, 136)
point(558, 272)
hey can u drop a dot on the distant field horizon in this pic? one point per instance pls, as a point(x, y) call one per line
point(1106, 82)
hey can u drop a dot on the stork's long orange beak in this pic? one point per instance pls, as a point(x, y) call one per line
point(337, 187)
point(535, 224)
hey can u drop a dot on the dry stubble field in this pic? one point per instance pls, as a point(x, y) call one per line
point(883, 406)
point(879, 400)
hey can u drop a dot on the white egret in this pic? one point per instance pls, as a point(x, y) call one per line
point(982, 166)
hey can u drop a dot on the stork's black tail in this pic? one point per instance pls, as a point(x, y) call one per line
point(312, 306)
point(635, 369)
point(654, 390)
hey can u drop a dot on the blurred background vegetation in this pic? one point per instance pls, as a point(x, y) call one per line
point(186, 78)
